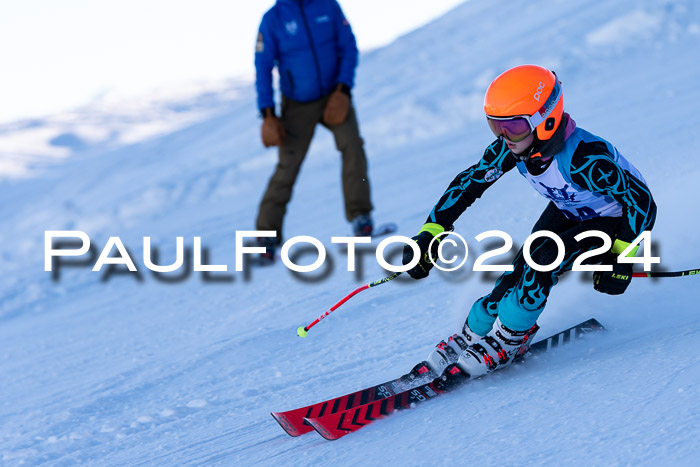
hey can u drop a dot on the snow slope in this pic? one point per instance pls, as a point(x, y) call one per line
point(117, 371)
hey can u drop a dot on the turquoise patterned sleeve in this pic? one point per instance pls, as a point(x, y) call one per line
point(472, 183)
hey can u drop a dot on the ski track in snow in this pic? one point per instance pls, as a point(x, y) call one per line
point(122, 372)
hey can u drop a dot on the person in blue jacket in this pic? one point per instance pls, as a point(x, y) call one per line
point(313, 47)
point(590, 186)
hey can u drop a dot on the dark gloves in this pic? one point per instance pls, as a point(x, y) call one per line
point(613, 282)
point(337, 107)
point(272, 129)
point(422, 269)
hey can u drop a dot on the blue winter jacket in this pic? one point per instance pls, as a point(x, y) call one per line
point(312, 45)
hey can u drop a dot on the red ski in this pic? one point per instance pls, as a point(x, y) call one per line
point(338, 424)
point(292, 421)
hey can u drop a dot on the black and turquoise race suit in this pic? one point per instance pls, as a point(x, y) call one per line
point(590, 185)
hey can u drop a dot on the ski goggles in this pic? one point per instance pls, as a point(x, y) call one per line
point(514, 129)
point(518, 127)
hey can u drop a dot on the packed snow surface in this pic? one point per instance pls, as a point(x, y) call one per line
point(125, 369)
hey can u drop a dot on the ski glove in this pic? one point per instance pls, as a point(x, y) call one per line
point(272, 130)
point(422, 269)
point(613, 282)
point(423, 239)
point(337, 107)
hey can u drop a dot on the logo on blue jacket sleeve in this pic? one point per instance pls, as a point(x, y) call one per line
point(292, 27)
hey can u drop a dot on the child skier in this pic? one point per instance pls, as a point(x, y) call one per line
point(590, 185)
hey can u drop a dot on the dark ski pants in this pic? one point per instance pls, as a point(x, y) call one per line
point(519, 297)
point(300, 120)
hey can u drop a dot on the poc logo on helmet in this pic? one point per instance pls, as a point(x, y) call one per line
point(538, 93)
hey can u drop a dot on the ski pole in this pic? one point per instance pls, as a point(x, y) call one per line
point(303, 331)
point(689, 272)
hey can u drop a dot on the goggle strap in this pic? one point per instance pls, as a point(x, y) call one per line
point(548, 106)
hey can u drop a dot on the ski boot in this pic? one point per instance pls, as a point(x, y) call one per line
point(496, 350)
point(362, 226)
point(448, 350)
point(270, 244)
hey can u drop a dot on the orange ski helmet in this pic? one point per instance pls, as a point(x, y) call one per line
point(522, 100)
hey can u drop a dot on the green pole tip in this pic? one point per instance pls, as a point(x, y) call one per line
point(302, 332)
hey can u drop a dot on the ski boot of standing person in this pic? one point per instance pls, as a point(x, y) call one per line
point(362, 225)
point(590, 186)
point(271, 244)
